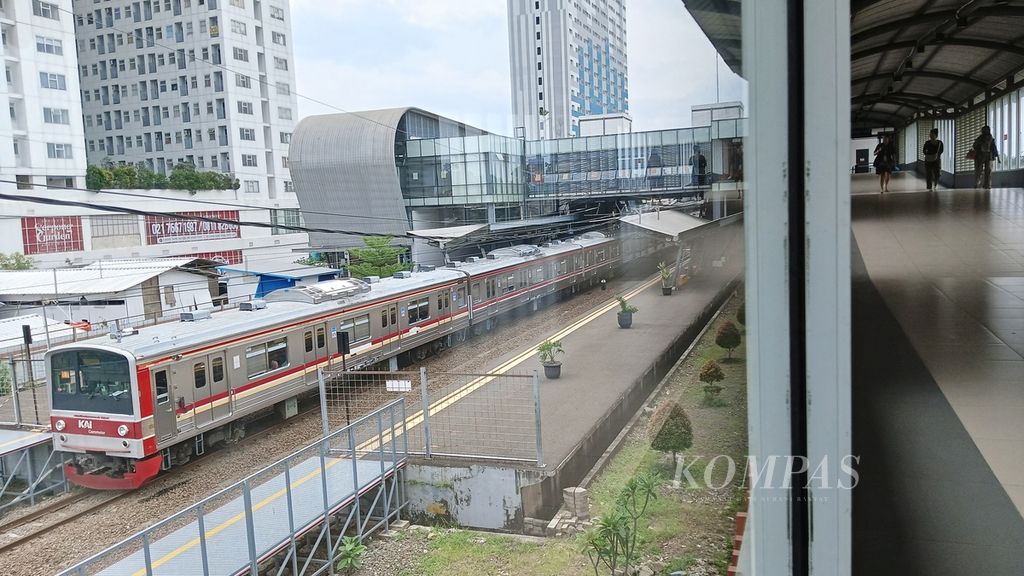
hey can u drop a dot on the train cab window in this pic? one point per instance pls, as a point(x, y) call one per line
point(460, 297)
point(309, 341)
point(162, 389)
point(217, 369)
point(419, 310)
point(199, 374)
point(321, 337)
point(383, 318)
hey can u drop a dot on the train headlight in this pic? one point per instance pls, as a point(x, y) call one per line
point(59, 425)
point(122, 430)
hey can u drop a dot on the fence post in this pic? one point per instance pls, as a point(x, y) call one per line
point(14, 392)
point(536, 417)
point(324, 422)
point(425, 400)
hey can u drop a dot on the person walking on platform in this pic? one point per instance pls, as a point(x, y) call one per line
point(981, 152)
point(885, 161)
point(932, 150)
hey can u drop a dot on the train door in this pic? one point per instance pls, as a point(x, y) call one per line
point(221, 407)
point(389, 330)
point(201, 414)
point(163, 406)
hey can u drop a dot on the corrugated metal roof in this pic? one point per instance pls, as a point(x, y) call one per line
point(284, 267)
point(101, 277)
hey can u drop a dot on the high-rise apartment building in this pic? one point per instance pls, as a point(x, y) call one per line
point(568, 60)
point(206, 82)
point(41, 138)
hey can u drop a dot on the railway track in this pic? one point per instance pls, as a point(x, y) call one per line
point(83, 495)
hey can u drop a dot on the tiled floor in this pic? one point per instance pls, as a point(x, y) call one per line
point(950, 267)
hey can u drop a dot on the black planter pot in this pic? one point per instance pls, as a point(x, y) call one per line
point(552, 370)
point(666, 290)
point(625, 319)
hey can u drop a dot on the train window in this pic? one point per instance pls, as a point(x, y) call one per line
point(217, 369)
point(162, 389)
point(538, 275)
point(461, 297)
point(383, 318)
point(491, 290)
point(510, 283)
point(476, 292)
point(419, 310)
point(600, 256)
point(199, 374)
point(563, 267)
point(266, 357)
point(309, 341)
point(358, 328)
point(321, 337)
point(394, 315)
point(440, 302)
point(447, 299)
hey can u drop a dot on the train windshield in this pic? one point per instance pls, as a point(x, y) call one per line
point(92, 381)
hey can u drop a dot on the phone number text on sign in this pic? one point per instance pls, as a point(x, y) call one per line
point(161, 230)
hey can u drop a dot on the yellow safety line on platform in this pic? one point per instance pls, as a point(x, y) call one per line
point(410, 422)
point(22, 439)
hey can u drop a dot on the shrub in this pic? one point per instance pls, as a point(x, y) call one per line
point(728, 337)
point(97, 178)
point(675, 433)
point(350, 556)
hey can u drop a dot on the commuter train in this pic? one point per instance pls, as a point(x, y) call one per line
point(146, 399)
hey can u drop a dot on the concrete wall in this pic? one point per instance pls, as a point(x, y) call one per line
point(475, 495)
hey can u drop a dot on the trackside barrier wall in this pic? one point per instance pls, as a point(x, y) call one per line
point(288, 518)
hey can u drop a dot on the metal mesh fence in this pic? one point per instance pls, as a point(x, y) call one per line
point(24, 399)
point(494, 416)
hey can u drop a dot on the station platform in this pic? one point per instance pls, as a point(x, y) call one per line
point(938, 379)
point(180, 552)
point(17, 440)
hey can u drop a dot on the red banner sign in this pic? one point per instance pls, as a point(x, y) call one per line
point(164, 230)
point(48, 234)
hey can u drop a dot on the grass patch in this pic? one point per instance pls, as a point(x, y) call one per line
point(458, 552)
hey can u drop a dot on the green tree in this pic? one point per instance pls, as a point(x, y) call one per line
point(150, 180)
point(185, 177)
point(711, 374)
point(15, 261)
point(728, 337)
point(379, 258)
point(98, 178)
point(675, 434)
point(124, 176)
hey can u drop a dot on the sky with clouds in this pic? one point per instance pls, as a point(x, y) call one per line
point(451, 57)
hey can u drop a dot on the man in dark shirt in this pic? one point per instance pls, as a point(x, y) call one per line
point(932, 159)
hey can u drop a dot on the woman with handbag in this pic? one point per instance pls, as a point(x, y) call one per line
point(981, 153)
point(885, 161)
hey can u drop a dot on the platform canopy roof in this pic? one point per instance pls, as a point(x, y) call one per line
point(668, 222)
point(907, 57)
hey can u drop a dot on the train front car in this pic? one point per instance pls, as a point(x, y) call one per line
point(102, 417)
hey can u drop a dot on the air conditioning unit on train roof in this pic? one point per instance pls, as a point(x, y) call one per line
point(194, 315)
point(472, 259)
point(403, 274)
point(252, 306)
point(321, 291)
point(371, 279)
point(455, 264)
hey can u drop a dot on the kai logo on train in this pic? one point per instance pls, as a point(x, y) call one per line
point(85, 424)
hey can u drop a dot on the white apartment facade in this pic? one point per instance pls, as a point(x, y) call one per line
point(568, 60)
point(41, 135)
point(206, 82)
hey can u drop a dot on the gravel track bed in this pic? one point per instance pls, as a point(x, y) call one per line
point(67, 545)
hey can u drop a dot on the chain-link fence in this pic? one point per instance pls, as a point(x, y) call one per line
point(24, 399)
point(491, 416)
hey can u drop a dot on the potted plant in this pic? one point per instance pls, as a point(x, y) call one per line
point(547, 351)
point(626, 311)
point(666, 279)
